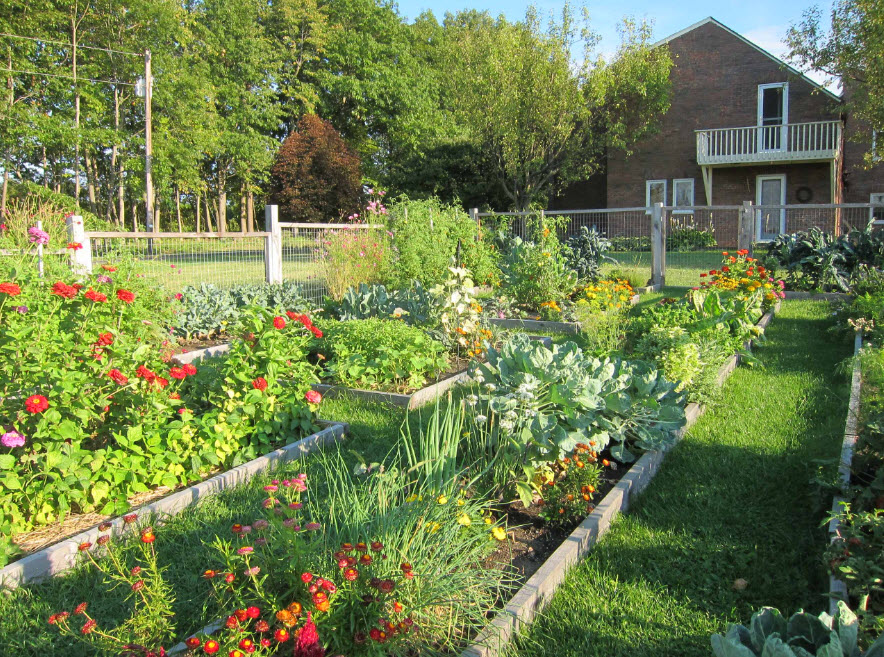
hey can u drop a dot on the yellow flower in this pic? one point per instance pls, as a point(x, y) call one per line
point(499, 533)
point(411, 498)
point(442, 499)
point(461, 502)
point(464, 519)
point(488, 520)
point(433, 527)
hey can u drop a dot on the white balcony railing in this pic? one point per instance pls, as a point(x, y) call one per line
point(792, 142)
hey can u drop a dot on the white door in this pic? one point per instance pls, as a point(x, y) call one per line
point(770, 222)
point(773, 115)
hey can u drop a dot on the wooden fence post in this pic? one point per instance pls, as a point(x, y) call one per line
point(81, 258)
point(658, 246)
point(746, 227)
point(272, 245)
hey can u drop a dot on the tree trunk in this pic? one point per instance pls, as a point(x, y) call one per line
point(121, 194)
point(209, 226)
point(5, 189)
point(90, 182)
point(135, 216)
point(242, 210)
point(115, 160)
point(45, 170)
point(178, 208)
point(74, 25)
point(250, 211)
point(222, 201)
point(199, 219)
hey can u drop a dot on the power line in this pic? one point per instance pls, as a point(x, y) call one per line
point(64, 43)
point(67, 77)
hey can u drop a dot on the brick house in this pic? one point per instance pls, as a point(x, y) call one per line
point(743, 126)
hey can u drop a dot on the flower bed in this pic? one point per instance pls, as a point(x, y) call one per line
point(546, 325)
point(530, 599)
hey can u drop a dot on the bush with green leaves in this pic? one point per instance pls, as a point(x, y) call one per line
point(586, 253)
point(536, 271)
point(683, 234)
point(770, 634)
point(538, 403)
point(206, 309)
point(426, 234)
point(381, 354)
point(413, 304)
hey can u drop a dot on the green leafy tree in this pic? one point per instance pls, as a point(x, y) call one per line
point(850, 50)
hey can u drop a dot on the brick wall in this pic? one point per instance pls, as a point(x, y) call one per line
point(715, 81)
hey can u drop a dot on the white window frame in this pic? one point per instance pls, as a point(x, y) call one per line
point(758, 179)
point(876, 197)
point(760, 112)
point(648, 184)
point(675, 205)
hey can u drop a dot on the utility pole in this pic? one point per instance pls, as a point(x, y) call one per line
point(148, 145)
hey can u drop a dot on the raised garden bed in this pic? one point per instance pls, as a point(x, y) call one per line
point(61, 556)
point(532, 325)
point(538, 590)
point(837, 588)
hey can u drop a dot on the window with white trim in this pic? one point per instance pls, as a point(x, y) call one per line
point(877, 213)
point(655, 192)
point(682, 194)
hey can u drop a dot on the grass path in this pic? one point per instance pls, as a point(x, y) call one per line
point(733, 500)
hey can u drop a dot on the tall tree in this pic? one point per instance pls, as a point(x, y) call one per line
point(851, 51)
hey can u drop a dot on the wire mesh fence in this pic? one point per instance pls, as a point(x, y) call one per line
point(176, 261)
point(695, 238)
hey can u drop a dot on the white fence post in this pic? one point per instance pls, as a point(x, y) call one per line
point(746, 227)
point(272, 245)
point(81, 258)
point(658, 246)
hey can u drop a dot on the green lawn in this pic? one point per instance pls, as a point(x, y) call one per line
point(683, 268)
point(733, 500)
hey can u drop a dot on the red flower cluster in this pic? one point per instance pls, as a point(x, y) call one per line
point(260, 384)
point(105, 339)
point(313, 397)
point(305, 320)
point(11, 289)
point(118, 377)
point(64, 290)
point(36, 404)
point(278, 323)
point(96, 297)
point(75, 246)
point(108, 268)
point(125, 296)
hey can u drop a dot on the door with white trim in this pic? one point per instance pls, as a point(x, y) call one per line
point(773, 115)
point(770, 222)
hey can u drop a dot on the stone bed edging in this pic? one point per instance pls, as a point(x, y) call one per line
point(837, 588)
point(533, 596)
point(543, 325)
point(60, 557)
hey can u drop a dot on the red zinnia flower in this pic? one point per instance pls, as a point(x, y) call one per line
point(351, 574)
point(134, 572)
point(253, 612)
point(161, 383)
point(64, 290)
point(130, 518)
point(75, 246)
point(241, 615)
point(11, 289)
point(108, 268)
point(84, 546)
point(118, 377)
point(143, 373)
point(80, 608)
point(137, 586)
point(147, 536)
point(36, 404)
point(316, 332)
point(306, 577)
point(278, 323)
point(125, 296)
point(103, 527)
point(189, 369)
point(193, 642)
point(282, 635)
point(260, 384)
point(377, 546)
point(292, 316)
point(313, 397)
point(211, 647)
point(209, 574)
point(262, 626)
point(88, 626)
point(105, 339)
point(177, 373)
point(96, 297)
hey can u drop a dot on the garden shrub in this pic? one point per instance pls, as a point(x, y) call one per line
point(602, 309)
point(353, 255)
point(537, 271)
point(207, 309)
point(426, 234)
point(462, 326)
point(317, 176)
point(684, 235)
point(381, 354)
point(569, 489)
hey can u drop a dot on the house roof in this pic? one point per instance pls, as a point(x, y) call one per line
point(776, 59)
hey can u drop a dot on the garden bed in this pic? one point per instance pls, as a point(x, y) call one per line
point(817, 296)
point(543, 325)
point(538, 590)
point(61, 555)
point(837, 588)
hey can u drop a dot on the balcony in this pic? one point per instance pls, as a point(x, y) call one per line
point(818, 141)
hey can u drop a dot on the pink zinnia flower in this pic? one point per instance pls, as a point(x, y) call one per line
point(245, 550)
point(12, 439)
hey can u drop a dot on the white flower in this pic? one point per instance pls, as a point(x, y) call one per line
point(490, 387)
point(481, 419)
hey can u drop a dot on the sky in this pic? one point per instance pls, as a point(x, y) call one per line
point(764, 22)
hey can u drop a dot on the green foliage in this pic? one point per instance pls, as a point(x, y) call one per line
point(629, 243)
point(462, 326)
point(586, 252)
point(684, 235)
point(567, 498)
point(537, 271)
point(353, 255)
point(542, 402)
point(802, 635)
point(207, 309)
point(381, 354)
point(426, 235)
point(413, 305)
